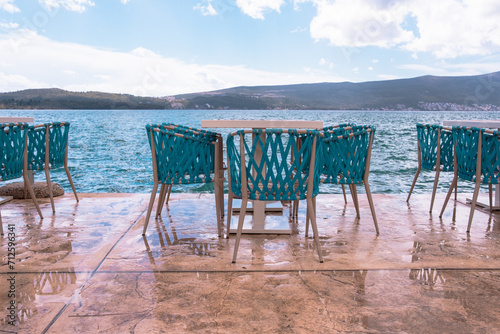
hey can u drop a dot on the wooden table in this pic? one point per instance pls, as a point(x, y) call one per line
point(260, 208)
point(479, 123)
point(17, 119)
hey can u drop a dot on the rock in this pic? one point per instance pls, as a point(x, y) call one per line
point(40, 188)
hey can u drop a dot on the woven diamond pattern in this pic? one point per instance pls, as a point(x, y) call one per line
point(345, 155)
point(490, 157)
point(58, 140)
point(12, 145)
point(427, 135)
point(277, 163)
point(182, 158)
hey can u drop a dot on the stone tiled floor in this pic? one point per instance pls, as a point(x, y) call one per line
point(88, 269)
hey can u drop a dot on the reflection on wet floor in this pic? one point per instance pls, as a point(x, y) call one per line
point(31, 290)
point(89, 269)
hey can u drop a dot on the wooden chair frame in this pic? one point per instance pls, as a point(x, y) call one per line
point(165, 188)
point(245, 193)
point(47, 166)
point(437, 167)
point(23, 127)
point(478, 177)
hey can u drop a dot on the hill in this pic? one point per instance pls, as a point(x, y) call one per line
point(422, 93)
point(54, 98)
point(481, 92)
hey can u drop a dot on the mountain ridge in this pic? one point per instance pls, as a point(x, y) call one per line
point(479, 92)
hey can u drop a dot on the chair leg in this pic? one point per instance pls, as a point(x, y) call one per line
point(243, 211)
point(161, 198)
point(434, 188)
point(229, 212)
point(456, 190)
point(372, 206)
point(218, 214)
point(413, 184)
point(312, 215)
point(453, 185)
point(168, 195)
point(308, 219)
point(32, 194)
point(71, 182)
point(354, 194)
point(49, 189)
point(473, 204)
point(343, 193)
point(491, 197)
point(150, 207)
point(1, 224)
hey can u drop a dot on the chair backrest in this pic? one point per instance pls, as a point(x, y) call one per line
point(180, 158)
point(51, 135)
point(490, 157)
point(346, 155)
point(186, 129)
point(469, 142)
point(12, 148)
point(273, 164)
point(329, 130)
point(427, 135)
point(193, 132)
point(466, 142)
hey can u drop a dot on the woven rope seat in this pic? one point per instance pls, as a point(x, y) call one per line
point(183, 155)
point(435, 153)
point(273, 165)
point(13, 157)
point(48, 149)
point(477, 154)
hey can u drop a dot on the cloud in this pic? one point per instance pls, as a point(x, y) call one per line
point(256, 8)
point(72, 5)
point(451, 28)
point(30, 60)
point(124, 1)
point(446, 28)
point(9, 25)
point(206, 9)
point(358, 23)
point(8, 6)
point(324, 62)
point(444, 68)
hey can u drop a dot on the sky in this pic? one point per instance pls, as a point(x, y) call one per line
point(169, 47)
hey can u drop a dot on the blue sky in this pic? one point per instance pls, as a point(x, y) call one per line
point(167, 47)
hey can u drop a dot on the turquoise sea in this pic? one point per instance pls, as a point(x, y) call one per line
point(109, 151)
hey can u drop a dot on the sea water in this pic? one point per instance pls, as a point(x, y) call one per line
point(109, 151)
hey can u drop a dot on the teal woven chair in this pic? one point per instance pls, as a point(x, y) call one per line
point(183, 158)
point(346, 160)
point(435, 153)
point(327, 131)
point(166, 189)
point(13, 157)
point(47, 150)
point(270, 165)
point(477, 154)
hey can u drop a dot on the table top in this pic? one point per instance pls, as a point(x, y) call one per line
point(16, 119)
point(261, 124)
point(478, 123)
